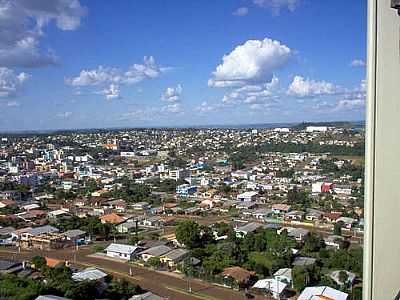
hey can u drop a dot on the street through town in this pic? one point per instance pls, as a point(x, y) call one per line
point(170, 285)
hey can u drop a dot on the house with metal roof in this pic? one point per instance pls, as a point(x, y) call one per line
point(122, 251)
point(284, 275)
point(77, 236)
point(46, 237)
point(156, 251)
point(304, 261)
point(322, 292)
point(126, 227)
point(9, 266)
point(245, 229)
point(42, 230)
point(247, 196)
point(271, 285)
point(172, 258)
point(297, 233)
point(89, 274)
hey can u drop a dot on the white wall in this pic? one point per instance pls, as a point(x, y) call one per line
point(382, 241)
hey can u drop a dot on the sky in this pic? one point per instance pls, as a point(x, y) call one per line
point(68, 64)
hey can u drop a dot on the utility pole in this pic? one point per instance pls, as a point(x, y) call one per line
point(136, 230)
point(188, 276)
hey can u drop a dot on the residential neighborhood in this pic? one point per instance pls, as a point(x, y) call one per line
point(276, 213)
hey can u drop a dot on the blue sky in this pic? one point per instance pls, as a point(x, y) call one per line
point(86, 64)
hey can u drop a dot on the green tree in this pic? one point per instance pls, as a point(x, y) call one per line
point(299, 198)
point(82, 290)
point(188, 233)
point(313, 243)
point(337, 228)
point(38, 262)
point(154, 262)
point(122, 290)
point(14, 288)
point(300, 277)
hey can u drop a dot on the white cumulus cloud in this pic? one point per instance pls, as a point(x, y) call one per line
point(138, 72)
point(254, 61)
point(111, 78)
point(252, 94)
point(353, 99)
point(95, 77)
point(112, 92)
point(10, 82)
point(172, 94)
point(101, 75)
point(22, 23)
point(304, 87)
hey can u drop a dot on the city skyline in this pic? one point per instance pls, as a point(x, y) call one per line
point(86, 64)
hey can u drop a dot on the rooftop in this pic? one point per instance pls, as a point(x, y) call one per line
point(89, 274)
point(122, 248)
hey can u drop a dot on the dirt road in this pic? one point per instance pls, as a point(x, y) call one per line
point(173, 287)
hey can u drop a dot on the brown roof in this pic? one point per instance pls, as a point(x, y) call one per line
point(237, 273)
point(7, 202)
point(97, 201)
point(37, 212)
point(284, 207)
point(168, 219)
point(112, 218)
point(170, 205)
point(22, 230)
point(333, 215)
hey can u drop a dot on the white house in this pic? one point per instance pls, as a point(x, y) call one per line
point(122, 251)
point(239, 174)
point(247, 196)
point(322, 292)
point(57, 213)
point(275, 287)
point(140, 205)
point(316, 129)
point(284, 275)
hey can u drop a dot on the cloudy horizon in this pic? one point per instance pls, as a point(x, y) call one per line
point(86, 64)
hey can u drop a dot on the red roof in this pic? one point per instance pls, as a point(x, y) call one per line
point(52, 262)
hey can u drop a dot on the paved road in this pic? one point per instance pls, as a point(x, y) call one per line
point(166, 285)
